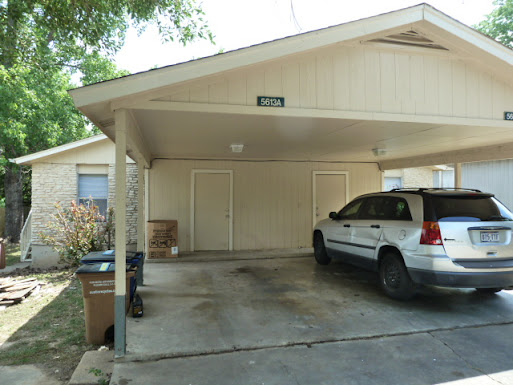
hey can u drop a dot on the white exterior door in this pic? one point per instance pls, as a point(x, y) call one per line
point(330, 193)
point(212, 210)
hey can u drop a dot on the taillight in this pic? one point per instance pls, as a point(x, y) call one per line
point(431, 234)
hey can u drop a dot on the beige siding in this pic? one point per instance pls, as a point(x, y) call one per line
point(94, 153)
point(272, 200)
point(362, 79)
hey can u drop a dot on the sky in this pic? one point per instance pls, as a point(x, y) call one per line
point(241, 23)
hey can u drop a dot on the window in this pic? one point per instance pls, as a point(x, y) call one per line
point(392, 182)
point(350, 211)
point(386, 208)
point(470, 209)
point(94, 186)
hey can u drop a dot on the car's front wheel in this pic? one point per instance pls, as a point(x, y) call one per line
point(321, 256)
point(394, 278)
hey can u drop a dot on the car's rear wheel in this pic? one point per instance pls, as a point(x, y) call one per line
point(488, 290)
point(394, 278)
point(320, 254)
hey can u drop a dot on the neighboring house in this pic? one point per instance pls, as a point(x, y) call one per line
point(74, 171)
point(410, 177)
point(491, 176)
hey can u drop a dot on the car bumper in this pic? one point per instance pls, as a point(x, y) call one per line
point(497, 279)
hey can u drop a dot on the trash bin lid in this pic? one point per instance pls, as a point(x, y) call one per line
point(103, 267)
point(109, 256)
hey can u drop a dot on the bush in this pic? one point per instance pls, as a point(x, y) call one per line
point(77, 230)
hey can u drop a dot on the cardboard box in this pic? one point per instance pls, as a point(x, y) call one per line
point(162, 239)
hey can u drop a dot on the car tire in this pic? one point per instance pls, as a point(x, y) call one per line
point(394, 278)
point(321, 256)
point(488, 290)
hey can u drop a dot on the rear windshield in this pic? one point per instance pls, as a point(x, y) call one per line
point(469, 209)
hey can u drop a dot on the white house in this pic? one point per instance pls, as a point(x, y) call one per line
point(247, 149)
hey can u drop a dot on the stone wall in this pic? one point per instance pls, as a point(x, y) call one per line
point(131, 199)
point(53, 183)
point(418, 177)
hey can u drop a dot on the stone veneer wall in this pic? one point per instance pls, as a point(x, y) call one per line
point(131, 199)
point(59, 183)
point(51, 183)
point(418, 177)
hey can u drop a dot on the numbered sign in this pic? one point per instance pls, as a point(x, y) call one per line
point(508, 115)
point(269, 101)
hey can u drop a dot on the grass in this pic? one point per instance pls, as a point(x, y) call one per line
point(12, 254)
point(47, 329)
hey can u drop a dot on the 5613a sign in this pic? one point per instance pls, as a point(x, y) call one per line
point(269, 101)
point(508, 115)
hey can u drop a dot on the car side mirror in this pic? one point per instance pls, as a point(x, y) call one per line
point(334, 215)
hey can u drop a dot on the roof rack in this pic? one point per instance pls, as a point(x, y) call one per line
point(420, 189)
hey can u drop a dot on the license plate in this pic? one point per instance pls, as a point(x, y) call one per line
point(489, 236)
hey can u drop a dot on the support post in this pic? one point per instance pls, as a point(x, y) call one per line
point(457, 175)
point(140, 206)
point(121, 119)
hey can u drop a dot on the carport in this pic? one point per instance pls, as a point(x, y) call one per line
point(270, 128)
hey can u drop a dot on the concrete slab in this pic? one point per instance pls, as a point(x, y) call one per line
point(222, 306)
point(102, 362)
point(9, 269)
point(25, 375)
point(239, 255)
point(451, 357)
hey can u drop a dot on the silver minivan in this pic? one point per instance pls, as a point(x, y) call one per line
point(444, 237)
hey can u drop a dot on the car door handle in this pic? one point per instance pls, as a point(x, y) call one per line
point(347, 225)
point(375, 226)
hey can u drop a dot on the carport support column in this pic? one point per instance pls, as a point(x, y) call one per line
point(457, 175)
point(121, 118)
point(140, 206)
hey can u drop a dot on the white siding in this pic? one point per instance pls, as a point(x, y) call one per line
point(361, 78)
point(272, 200)
point(494, 176)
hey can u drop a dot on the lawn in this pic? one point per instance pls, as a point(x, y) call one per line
point(47, 329)
point(12, 254)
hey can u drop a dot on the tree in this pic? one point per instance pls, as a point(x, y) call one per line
point(41, 43)
point(499, 23)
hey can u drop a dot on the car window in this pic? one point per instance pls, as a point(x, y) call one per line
point(385, 208)
point(350, 211)
point(373, 208)
point(470, 209)
point(397, 209)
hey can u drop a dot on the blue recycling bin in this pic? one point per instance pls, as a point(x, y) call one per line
point(134, 258)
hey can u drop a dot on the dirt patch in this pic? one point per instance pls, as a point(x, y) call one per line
point(46, 329)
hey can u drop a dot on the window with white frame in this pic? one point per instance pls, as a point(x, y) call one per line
point(95, 186)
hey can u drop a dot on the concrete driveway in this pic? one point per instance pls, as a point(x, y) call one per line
point(227, 316)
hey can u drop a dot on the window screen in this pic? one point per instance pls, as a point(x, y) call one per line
point(94, 186)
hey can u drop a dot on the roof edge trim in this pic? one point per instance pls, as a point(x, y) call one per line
point(29, 159)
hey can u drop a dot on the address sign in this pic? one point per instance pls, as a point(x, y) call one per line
point(508, 115)
point(269, 101)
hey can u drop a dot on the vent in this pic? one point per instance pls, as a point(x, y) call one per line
point(409, 39)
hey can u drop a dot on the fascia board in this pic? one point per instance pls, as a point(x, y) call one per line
point(466, 33)
point(29, 159)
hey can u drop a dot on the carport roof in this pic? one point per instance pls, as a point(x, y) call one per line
point(161, 129)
